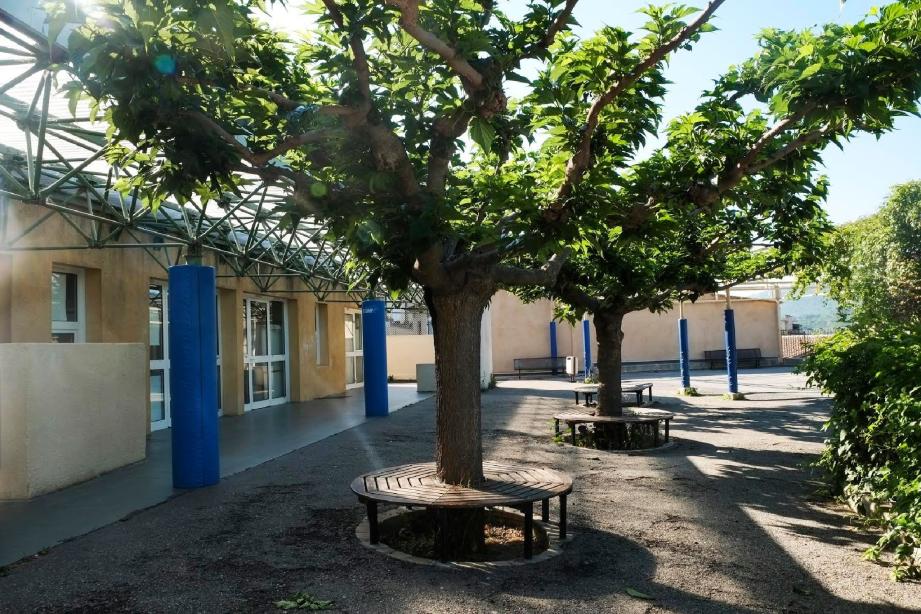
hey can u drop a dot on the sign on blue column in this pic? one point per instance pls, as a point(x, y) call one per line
point(731, 361)
point(193, 377)
point(683, 353)
point(374, 336)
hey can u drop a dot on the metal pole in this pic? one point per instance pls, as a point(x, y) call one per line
point(553, 351)
point(374, 335)
point(731, 364)
point(587, 346)
point(683, 353)
point(193, 378)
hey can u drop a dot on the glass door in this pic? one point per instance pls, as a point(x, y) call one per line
point(265, 353)
point(159, 356)
point(354, 351)
point(158, 327)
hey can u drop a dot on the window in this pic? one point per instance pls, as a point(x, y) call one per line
point(322, 327)
point(67, 306)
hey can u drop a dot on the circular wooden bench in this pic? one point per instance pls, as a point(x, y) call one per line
point(514, 486)
point(637, 416)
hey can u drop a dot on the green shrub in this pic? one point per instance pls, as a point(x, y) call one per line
point(873, 451)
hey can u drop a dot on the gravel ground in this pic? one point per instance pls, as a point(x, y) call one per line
point(726, 521)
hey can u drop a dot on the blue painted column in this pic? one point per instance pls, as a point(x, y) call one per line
point(193, 378)
point(553, 351)
point(374, 337)
point(731, 364)
point(683, 353)
point(587, 344)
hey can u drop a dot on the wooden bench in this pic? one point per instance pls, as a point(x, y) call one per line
point(547, 365)
point(749, 356)
point(514, 486)
point(640, 416)
point(588, 391)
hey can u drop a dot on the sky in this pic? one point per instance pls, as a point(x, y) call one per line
point(861, 175)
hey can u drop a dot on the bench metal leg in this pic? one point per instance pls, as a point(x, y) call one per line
point(441, 541)
point(666, 430)
point(562, 517)
point(577, 398)
point(572, 433)
point(374, 533)
point(639, 398)
point(528, 530)
point(545, 510)
point(650, 394)
point(556, 426)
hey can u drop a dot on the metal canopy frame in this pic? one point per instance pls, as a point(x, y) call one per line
point(55, 159)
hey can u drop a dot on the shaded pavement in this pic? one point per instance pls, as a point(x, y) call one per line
point(729, 520)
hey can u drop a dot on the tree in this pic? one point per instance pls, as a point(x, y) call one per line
point(872, 267)
point(733, 193)
point(368, 124)
point(363, 123)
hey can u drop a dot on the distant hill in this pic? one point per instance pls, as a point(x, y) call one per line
point(812, 312)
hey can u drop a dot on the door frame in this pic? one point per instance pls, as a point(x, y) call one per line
point(267, 358)
point(351, 313)
point(163, 363)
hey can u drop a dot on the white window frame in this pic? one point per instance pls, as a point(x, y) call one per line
point(78, 328)
point(350, 356)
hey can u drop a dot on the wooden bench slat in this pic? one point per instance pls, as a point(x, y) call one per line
point(418, 485)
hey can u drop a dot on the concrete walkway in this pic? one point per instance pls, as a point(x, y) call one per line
point(258, 436)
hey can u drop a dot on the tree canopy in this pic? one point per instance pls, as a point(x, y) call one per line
point(872, 267)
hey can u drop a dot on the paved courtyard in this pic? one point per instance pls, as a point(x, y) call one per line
point(729, 520)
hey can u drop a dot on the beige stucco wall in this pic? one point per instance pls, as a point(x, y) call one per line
point(521, 330)
point(116, 283)
point(69, 413)
point(404, 352)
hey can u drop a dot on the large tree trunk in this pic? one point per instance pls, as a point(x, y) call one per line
point(456, 318)
point(610, 334)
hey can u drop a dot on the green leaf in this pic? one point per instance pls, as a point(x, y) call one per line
point(637, 594)
point(811, 70)
point(223, 19)
point(482, 133)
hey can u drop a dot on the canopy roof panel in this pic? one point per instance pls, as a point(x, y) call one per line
point(52, 155)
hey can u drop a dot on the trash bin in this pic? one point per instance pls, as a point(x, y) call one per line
point(425, 377)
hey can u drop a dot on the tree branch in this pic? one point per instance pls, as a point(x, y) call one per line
point(409, 21)
point(389, 151)
point(293, 142)
point(574, 295)
point(580, 161)
point(556, 26)
point(443, 145)
point(707, 195)
point(544, 276)
point(804, 139)
point(217, 130)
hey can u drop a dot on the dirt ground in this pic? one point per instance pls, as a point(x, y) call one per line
point(729, 520)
